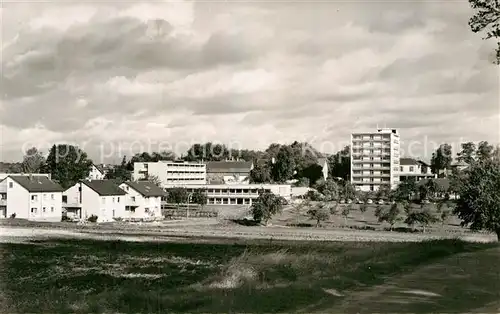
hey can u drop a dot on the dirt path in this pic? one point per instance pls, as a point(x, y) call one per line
point(178, 232)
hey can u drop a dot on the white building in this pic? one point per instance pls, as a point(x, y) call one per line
point(102, 198)
point(171, 172)
point(143, 200)
point(375, 159)
point(237, 194)
point(228, 172)
point(31, 197)
point(414, 169)
point(96, 173)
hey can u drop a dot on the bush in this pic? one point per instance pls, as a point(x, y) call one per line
point(13, 216)
point(92, 218)
point(65, 218)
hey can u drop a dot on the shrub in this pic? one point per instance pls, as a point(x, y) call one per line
point(13, 216)
point(65, 218)
point(92, 218)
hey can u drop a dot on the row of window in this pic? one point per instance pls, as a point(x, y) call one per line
point(103, 200)
point(371, 137)
point(34, 210)
point(34, 198)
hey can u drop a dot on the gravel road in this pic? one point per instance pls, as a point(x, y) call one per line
point(20, 234)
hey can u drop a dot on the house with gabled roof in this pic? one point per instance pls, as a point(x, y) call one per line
point(97, 172)
point(143, 200)
point(102, 198)
point(35, 198)
point(226, 172)
point(414, 169)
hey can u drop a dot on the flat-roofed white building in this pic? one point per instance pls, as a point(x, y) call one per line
point(171, 172)
point(237, 194)
point(375, 159)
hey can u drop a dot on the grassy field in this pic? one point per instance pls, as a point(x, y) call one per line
point(259, 276)
point(357, 219)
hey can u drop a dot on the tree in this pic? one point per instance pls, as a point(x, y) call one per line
point(265, 206)
point(484, 151)
point(363, 208)
point(441, 159)
point(318, 214)
point(478, 204)
point(339, 164)
point(284, 167)
point(311, 173)
point(468, 153)
point(147, 157)
point(154, 179)
point(391, 216)
point(347, 190)
point(383, 191)
point(119, 173)
point(177, 195)
point(345, 212)
point(33, 161)
point(329, 189)
point(444, 216)
point(405, 190)
point(261, 173)
point(378, 211)
point(68, 164)
point(200, 197)
point(424, 218)
point(486, 19)
point(297, 208)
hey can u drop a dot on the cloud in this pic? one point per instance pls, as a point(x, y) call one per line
point(252, 73)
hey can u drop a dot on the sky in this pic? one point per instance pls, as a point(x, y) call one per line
point(118, 77)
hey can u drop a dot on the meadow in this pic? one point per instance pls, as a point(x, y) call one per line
point(82, 276)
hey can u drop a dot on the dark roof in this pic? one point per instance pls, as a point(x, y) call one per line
point(442, 183)
point(146, 188)
point(408, 161)
point(229, 166)
point(36, 184)
point(104, 187)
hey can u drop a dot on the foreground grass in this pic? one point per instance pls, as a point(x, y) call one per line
point(258, 276)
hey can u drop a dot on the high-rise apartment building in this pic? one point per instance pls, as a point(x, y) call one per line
point(375, 159)
point(171, 172)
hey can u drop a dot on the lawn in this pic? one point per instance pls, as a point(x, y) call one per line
point(358, 220)
point(254, 276)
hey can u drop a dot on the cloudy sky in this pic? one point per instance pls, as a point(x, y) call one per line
point(111, 75)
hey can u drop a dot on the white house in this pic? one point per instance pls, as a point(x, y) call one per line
point(102, 198)
point(96, 173)
point(31, 197)
point(415, 169)
point(143, 200)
